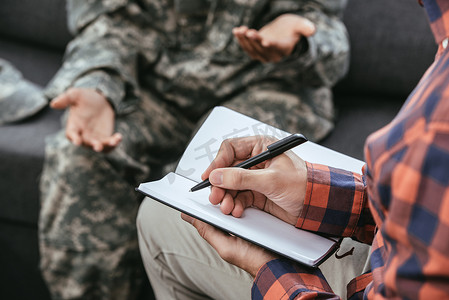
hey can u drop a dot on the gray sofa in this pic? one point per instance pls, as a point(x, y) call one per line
point(391, 47)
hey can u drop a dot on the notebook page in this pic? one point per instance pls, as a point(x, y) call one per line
point(256, 226)
point(224, 123)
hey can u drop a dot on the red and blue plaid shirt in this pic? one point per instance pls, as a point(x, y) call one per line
point(400, 204)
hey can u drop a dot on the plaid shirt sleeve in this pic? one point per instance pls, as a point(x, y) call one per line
point(282, 279)
point(336, 203)
point(409, 199)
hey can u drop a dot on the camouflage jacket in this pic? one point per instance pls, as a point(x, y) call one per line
point(185, 50)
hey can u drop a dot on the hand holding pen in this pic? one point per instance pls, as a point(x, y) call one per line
point(276, 186)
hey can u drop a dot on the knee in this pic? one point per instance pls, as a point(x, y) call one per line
point(62, 156)
point(147, 221)
point(141, 219)
point(58, 148)
point(159, 227)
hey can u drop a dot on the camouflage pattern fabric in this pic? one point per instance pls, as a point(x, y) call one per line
point(19, 98)
point(87, 231)
point(164, 66)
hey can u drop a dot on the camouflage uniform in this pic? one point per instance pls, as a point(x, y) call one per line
point(19, 98)
point(163, 65)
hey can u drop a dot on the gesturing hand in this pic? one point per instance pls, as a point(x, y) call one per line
point(277, 186)
point(275, 40)
point(91, 119)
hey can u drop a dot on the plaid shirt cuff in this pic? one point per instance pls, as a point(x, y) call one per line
point(334, 202)
point(282, 279)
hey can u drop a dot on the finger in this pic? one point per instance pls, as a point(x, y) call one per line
point(227, 205)
point(187, 218)
point(97, 145)
point(218, 239)
point(91, 141)
point(242, 179)
point(241, 202)
point(225, 157)
point(101, 144)
point(239, 34)
point(238, 149)
point(255, 39)
point(216, 195)
point(73, 132)
point(114, 140)
point(231, 248)
point(249, 146)
point(74, 135)
point(64, 100)
point(254, 36)
point(60, 102)
point(246, 46)
point(305, 27)
point(239, 31)
point(254, 50)
point(111, 143)
point(266, 48)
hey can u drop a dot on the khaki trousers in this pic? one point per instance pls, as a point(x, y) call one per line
point(181, 265)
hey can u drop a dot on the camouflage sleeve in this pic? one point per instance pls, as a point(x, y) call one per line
point(110, 85)
point(324, 58)
point(103, 53)
point(329, 46)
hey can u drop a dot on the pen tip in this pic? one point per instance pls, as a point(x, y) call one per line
point(190, 190)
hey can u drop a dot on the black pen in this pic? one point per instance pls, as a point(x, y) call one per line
point(274, 150)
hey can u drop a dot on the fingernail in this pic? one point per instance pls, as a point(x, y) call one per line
point(216, 177)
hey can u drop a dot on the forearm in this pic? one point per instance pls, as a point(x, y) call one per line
point(103, 56)
point(323, 58)
point(328, 48)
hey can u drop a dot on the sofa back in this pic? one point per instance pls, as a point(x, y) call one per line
point(391, 43)
point(41, 22)
point(391, 47)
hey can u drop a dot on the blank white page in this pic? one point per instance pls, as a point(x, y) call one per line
point(256, 226)
point(223, 123)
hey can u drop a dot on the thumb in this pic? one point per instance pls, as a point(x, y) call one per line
point(62, 101)
point(240, 179)
point(305, 27)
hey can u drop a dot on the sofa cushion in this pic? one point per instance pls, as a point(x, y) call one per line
point(391, 47)
point(22, 155)
point(40, 22)
point(19, 98)
point(19, 257)
point(37, 64)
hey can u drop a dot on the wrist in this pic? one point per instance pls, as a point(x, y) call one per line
point(266, 257)
point(108, 85)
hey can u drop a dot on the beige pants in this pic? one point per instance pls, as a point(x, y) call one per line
point(181, 265)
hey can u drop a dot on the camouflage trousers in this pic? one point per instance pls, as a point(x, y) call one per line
point(87, 225)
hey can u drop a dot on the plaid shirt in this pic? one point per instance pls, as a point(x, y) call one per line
point(400, 204)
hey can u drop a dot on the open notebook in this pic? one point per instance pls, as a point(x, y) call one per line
point(256, 226)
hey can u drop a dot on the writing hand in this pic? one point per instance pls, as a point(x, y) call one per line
point(275, 40)
point(277, 186)
point(91, 119)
